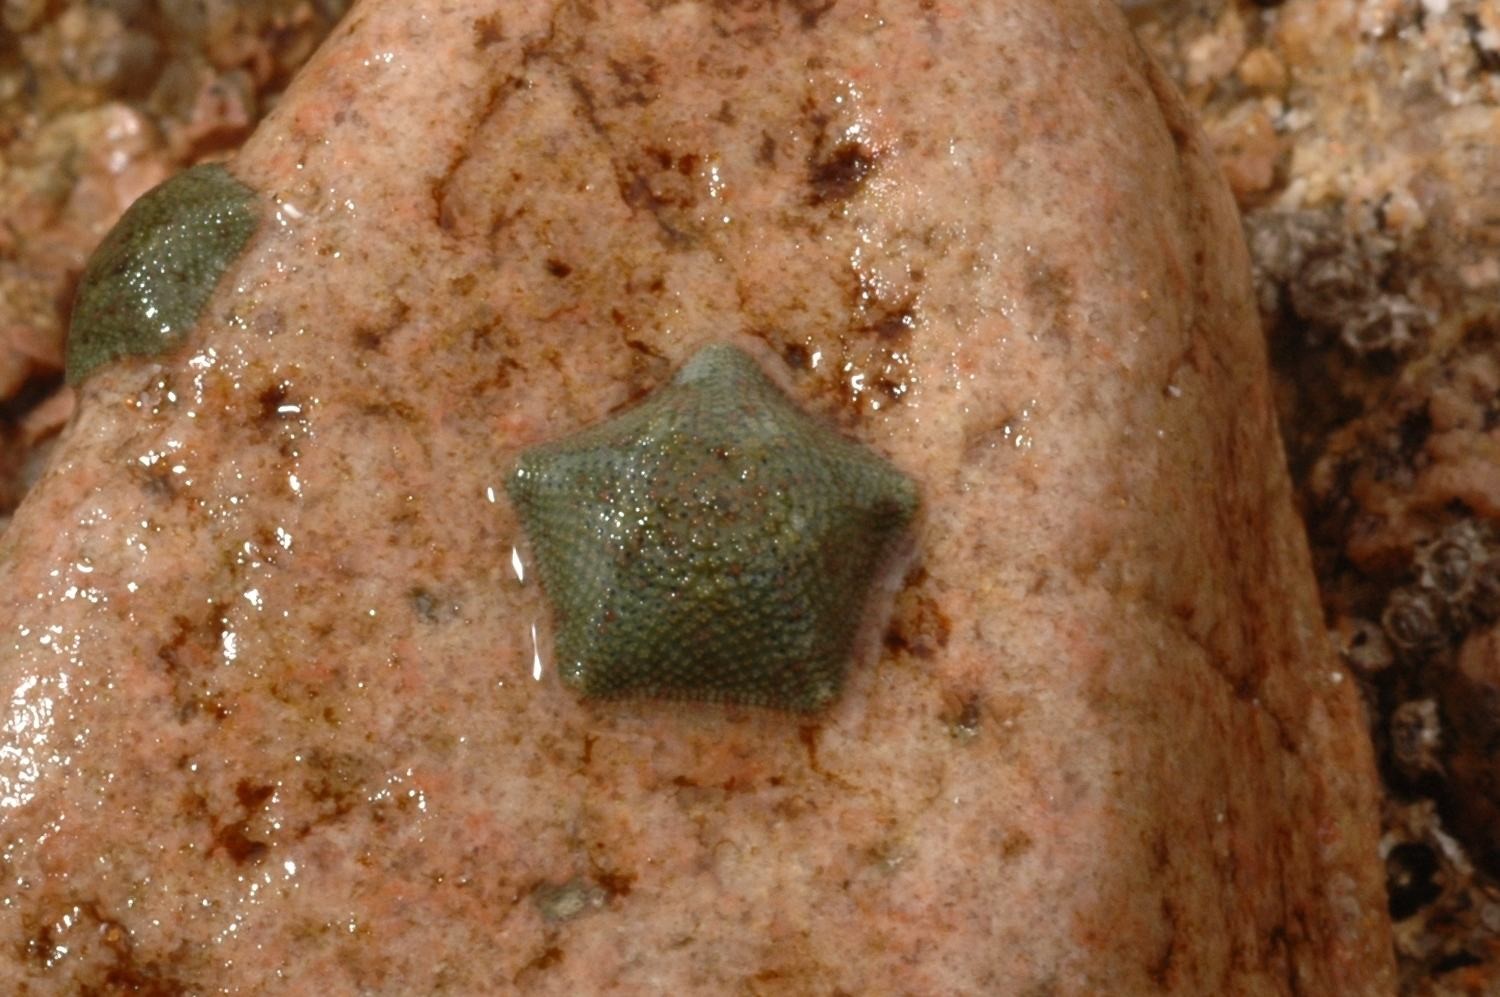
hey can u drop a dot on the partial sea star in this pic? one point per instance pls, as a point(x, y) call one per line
point(146, 283)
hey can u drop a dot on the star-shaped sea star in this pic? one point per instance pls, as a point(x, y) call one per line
point(713, 543)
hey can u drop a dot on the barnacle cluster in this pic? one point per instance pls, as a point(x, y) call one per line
point(1457, 587)
point(1313, 270)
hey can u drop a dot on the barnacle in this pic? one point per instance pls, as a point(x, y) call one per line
point(1413, 621)
point(1416, 737)
point(147, 282)
point(1484, 603)
point(1458, 569)
point(713, 543)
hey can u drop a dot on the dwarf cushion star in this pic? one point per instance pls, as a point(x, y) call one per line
point(151, 276)
point(714, 543)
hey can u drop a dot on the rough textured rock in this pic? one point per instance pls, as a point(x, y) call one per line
point(1377, 254)
point(273, 715)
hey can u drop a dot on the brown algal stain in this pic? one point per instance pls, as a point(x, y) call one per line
point(883, 856)
point(837, 174)
point(751, 33)
point(1015, 843)
point(235, 842)
point(550, 955)
point(765, 152)
point(887, 381)
point(998, 435)
point(1162, 969)
point(918, 628)
point(1246, 667)
point(272, 404)
point(613, 882)
point(1055, 291)
point(444, 215)
point(1487, 59)
point(491, 346)
point(793, 966)
point(827, 392)
point(645, 349)
point(314, 695)
point(869, 364)
point(645, 368)
point(232, 837)
point(796, 355)
point(890, 322)
point(638, 82)
point(334, 785)
point(664, 185)
point(488, 31)
point(369, 338)
point(808, 735)
point(697, 795)
point(251, 795)
point(501, 221)
point(893, 390)
point(654, 286)
point(212, 703)
point(587, 106)
point(78, 929)
point(810, 12)
point(187, 654)
point(394, 410)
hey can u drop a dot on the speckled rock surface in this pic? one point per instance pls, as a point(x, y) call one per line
point(273, 718)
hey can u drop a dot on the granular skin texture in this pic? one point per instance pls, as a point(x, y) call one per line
point(147, 282)
point(713, 543)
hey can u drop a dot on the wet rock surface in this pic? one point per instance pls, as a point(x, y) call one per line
point(275, 709)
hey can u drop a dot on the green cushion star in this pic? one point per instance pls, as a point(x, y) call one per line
point(151, 276)
point(713, 543)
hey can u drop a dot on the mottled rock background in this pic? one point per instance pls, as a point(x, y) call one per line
point(1362, 138)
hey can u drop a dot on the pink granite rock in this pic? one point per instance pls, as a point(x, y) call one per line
point(274, 718)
